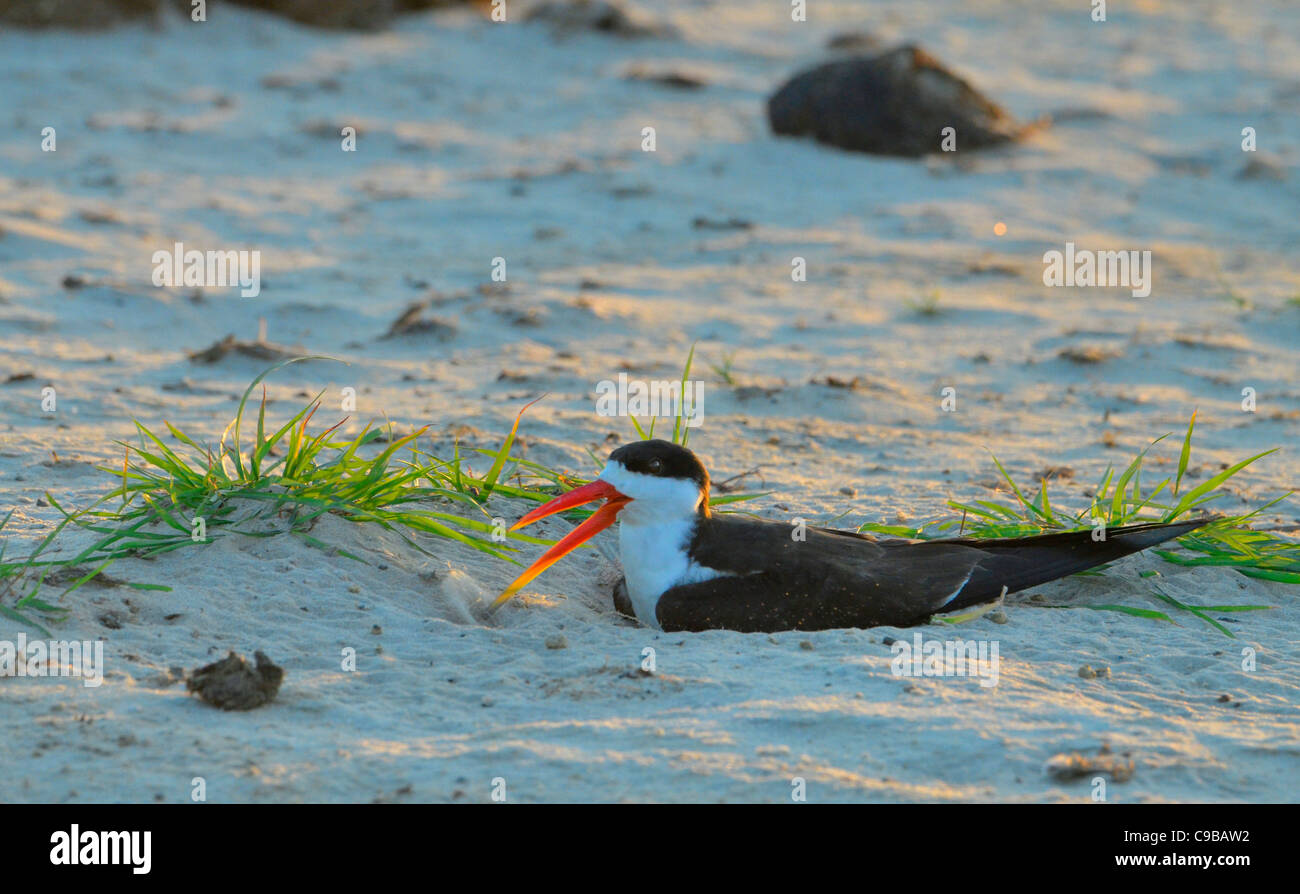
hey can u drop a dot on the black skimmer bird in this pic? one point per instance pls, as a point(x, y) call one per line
point(688, 569)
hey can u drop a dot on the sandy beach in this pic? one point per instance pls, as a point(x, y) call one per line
point(478, 140)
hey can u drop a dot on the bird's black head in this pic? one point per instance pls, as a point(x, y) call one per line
point(657, 458)
point(644, 483)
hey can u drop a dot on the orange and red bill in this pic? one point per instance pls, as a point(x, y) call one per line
point(601, 519)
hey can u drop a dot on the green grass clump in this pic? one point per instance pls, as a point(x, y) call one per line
point(289, 476)
point(927, 305)
point(1227, 541)
point(726, 369)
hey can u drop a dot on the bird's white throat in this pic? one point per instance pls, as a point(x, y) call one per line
point(654, 536)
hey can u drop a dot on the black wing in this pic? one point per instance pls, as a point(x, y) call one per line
point(841, 579)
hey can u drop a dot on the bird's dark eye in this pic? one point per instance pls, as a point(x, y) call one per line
point(655, 466)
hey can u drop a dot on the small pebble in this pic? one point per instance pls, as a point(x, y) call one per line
point(1262, 168)
point(376, 630)
point(1074, 765)
point(998, 616)
point(557, 642)
point(1087, 672)
point(806, 645)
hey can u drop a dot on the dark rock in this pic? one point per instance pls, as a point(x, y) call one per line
point(1072, 765)
point(255, 350)
point(1087, 354)
point(412, 321)
point(895, 103)
point(1262, 167)
point(853, 42)
point(676, 79)
point(231, 685)
point(730, 223)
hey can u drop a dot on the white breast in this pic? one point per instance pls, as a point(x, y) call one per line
point(654, 534)
point(655, 560)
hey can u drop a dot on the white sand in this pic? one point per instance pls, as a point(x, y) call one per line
point(480, 140)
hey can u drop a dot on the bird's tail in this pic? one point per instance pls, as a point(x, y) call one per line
point(1022, 562)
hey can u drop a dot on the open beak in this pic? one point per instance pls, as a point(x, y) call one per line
point(601, 519)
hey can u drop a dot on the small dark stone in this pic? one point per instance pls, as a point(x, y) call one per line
point(230, 684)
point(895, 103)
point(675, 79)
point(1073, 765)
point(412, 321)
point(1262, 167)
point(730, 223)
point(568, 16)
point(853, 42)
point(256, 350)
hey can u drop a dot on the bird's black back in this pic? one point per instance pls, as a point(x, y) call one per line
point(773, 581)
